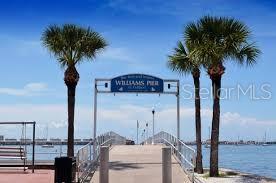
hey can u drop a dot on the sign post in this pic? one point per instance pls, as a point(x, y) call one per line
point(95, 121)
point(135, 83)
point(178, 116)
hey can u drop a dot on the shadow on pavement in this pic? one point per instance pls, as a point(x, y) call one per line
point(118, 165)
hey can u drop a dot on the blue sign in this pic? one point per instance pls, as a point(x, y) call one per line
point(137, 83)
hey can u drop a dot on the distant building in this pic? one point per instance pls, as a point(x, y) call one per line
point(40, 140)
point(55, 139)
point(10, 140)
point(86, 140)
point(251, 142)
point(1, 137)
point(77, 140)
point(25, 140)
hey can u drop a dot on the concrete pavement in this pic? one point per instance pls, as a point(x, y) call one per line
point(19, 176)
point(139, 164)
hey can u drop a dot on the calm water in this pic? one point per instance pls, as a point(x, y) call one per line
point(49, 153)
point(253, 159)
point(260, 160)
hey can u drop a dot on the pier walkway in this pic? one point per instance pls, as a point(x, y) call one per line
point(139, 163)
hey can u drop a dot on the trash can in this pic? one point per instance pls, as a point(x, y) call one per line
point(64, 169)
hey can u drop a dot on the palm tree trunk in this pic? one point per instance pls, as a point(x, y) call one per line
point(216, 84)
point(198, 168)
point(71, 89)
point(71, 78)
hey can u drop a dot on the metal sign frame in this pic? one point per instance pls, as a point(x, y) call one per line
point(171, 83)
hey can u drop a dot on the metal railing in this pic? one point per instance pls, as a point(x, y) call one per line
point(86, 161)
point(184, 154)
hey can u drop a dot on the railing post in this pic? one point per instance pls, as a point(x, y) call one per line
point(77, 166)
point(95, 121)
point(104, 159)
point(90, 152)
point(166, 165)
point(33, 155)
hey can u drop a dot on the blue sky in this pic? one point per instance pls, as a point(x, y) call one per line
point(140, 35)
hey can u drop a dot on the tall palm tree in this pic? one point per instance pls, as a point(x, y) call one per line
point(217, 40)
point(72, 45)
point(182, 63)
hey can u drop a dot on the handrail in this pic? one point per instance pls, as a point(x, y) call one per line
point(184, 153)
point(179, 153)
point(87, 161)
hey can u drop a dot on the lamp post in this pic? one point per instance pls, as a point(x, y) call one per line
point(144, 136)
point(147, 136)
point(137, 132)
point(153, 111)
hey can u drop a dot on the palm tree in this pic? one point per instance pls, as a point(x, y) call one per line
point(72, 45)
point(217, 40)
point(181, 62)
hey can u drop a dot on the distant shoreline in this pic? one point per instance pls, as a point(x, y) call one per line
point(29, 142)
point(43, 143)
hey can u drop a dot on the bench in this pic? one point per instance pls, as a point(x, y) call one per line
point(13, 153)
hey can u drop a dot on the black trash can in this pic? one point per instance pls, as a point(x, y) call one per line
point(64, 169)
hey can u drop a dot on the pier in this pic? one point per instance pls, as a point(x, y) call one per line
point(139, 163)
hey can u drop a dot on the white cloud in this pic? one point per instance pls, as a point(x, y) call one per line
point(234, 118)
point(120, 54)
point(124, 119)
point(29, 89)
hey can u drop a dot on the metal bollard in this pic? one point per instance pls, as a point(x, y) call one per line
point(166, 165)
point(104, 159)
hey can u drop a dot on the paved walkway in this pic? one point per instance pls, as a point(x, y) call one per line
point(139, 164)
point(19, 176)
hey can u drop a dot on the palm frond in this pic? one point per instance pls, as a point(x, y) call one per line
point(91, 44)
point(217, 39)
point(180, 61)
point(72, 44)
point(247, 54)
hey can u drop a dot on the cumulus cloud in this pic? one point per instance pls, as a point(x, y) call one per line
point(29, 89)
point(234, 118)
point(120, 54)
point(123, 119)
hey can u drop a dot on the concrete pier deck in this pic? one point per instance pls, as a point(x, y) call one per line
point(136, 164)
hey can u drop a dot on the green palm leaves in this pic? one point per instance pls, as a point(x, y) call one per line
point(215, 40)
point(71, 44)
point(180, 60)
